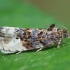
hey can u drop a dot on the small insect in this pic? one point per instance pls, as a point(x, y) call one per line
point(17, 40)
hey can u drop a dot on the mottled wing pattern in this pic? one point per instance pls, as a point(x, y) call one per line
point(22, 39)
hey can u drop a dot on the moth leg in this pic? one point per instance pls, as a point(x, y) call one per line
point(19, 52)
point(58, 45)
point(63, 42)
point(39, 49)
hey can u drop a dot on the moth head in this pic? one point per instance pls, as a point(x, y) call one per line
point(65, 33)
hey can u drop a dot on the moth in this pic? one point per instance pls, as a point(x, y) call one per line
point(17, 40)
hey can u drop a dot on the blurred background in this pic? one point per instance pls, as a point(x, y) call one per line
point(36, 14)
point(58, 8)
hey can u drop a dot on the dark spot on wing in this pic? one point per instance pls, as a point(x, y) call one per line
point(51, 27)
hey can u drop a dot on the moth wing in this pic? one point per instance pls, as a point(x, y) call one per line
point(13, 46)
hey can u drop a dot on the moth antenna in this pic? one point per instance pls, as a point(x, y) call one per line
point(51, 26)
point(62, 26)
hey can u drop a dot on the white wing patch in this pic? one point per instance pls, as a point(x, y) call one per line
point(12, 46)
